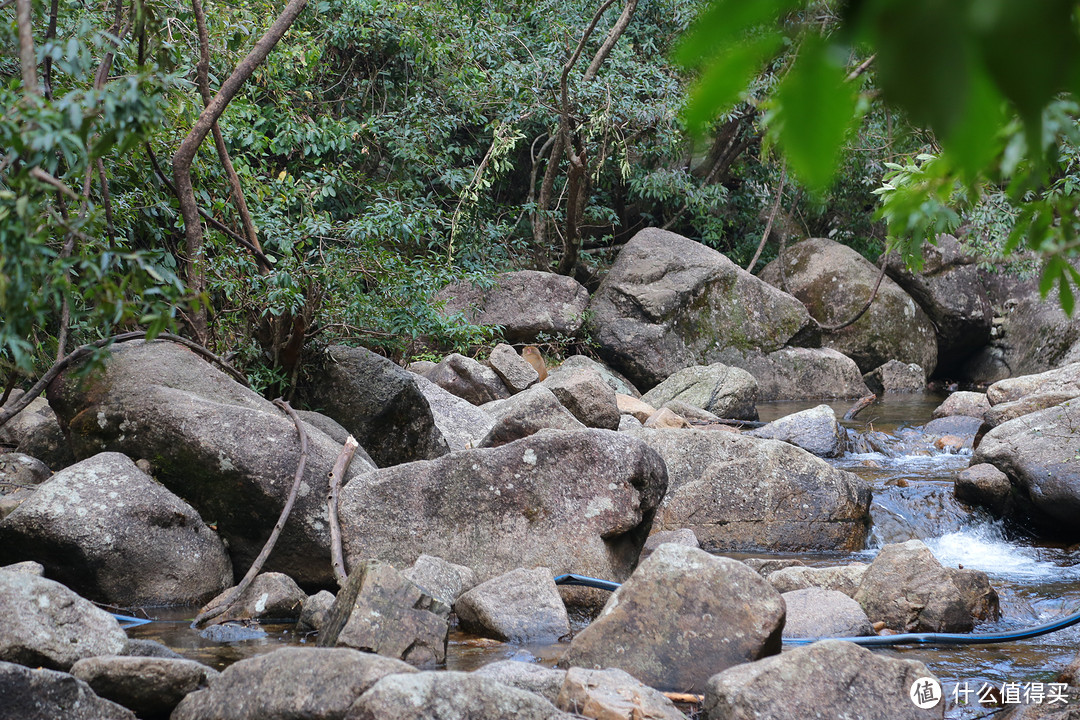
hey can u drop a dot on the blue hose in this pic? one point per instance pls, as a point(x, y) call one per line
point(126, 621)
point(884, 640)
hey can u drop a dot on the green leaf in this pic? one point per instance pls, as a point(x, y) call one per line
point(723, 25)
point(1065, 295)
point(726, 77)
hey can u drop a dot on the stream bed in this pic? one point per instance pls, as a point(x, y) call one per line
point(913, 498)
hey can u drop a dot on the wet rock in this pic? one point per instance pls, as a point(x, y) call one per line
point(669, 302)
point(449, 696)
point(1006, 411)
point(684, 536)
point(1038, 453)
point(984, 485)
point(841, 578)
point(442, 580)
point(314, 611)
point(585, 394)
point(972, 404)
point(614, 380)
point(515, 372)
point(1064, 380)
point(221, 447)
point(819, 613)
point(741, 494)
point(722, 390)
point(150, 687)
point(522, 605)
point(949, 290)
point(815, 430)
point(48, 625)
point(462, 424)
point(109, 531)
point(232, 633)
point(381, 611)
point(666, 419)
point(799, 373)
point(910, 591)
point(525, 303)
point(141, 647)
point(322, 683)
point(653, 626)
point(50, 695)
point(896, 377)
point(527, 413)
point(573, 501)
point(830, 679)
point(543, 681)
point(270, 596)
point(36, 432)
point(833, 281)
point(613, 694)
point(765, 566)
point(634, 407)
point(468, 379)
point(954, 433)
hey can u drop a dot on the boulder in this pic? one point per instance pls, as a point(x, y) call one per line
point(109, 531)
point(1065, 380)
point(527, 413)
point(522, 605)
point(830, 679)
point(949, 290)
point(910, 591)
point(27, 567)
point(984, 485)
point(626, 422)
point(442, 580)
point(722, 390)
point(799, 373)
point(314, 611)
point(140, 647)
point(221, 447)
point(669, 302)
point(683, 616)
point(49, 695)
point(515, 372)
point(462, 424)
point(684, 536)
point(742, 494)
point(954, 433)
point(815, 430)
point(585, 394)
point(819, 613)
point(896, 377)
point(694, 414)
point(578, 502)
point(634, 407)
point(1006, 411)
point(21, 469)
point(36, 432)
point(468, 379)
point(613, 694)
point(150, 687)
point(270, 596)
point(834, 281)
point(962, 402)
point(448, 695)
point(666, 419)
point(321, 683)
point(48, 625)
point(614, 380)
point(545, 682)
point(525, 303)
point(381, 611)
point(841, 578)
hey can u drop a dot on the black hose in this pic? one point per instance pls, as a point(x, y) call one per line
point(885, 640)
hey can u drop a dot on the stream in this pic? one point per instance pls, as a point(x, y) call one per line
point(913, 498)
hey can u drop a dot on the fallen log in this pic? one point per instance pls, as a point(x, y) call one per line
point(859, 406)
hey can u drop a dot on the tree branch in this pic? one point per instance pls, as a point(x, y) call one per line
point(27, 54)
point(337, 474)
point(772, 218)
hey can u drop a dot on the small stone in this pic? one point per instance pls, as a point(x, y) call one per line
point(519, 606)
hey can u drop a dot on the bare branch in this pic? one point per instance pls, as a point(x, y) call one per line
point(27, 54)
point(337, 474)
point(772, 218)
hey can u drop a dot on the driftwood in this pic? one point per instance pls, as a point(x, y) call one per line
point(681, 697)
point(341, 466)
point(752, 424)
point(211, 614)
point(858, 407)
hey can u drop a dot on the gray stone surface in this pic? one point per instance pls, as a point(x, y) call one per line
point(462, 424)
point(270, 596)
point(613, 694)
point(962, 402)
point(588, 398)
point(468, 379)
point(896, 377)
point(49, 695)
point(148, 686)
point(545, 682)
point(522, 605)
point(798, 373)
point(614, 380)
point(526, 413)
point(722, 390)
point(985, 485)
point(314, 611)
point(819, 613)
point(36, 432)
point(443, 580)
point(842, 578)
point(515, 372)
point(815, 430)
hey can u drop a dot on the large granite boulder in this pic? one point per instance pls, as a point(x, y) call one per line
point(468, 379)
point(1039, 454)
point(47, 625)
point(49, 695)
point(573, 501)
point(462, 424)
point(799, 373)
point(1064, 381)
point(106, 529)
point(819, 613)
point(949, 290)
point(742, 494)
point(36, 432)
point(834, 281)
point(615, 381)
point(515, 372)
point(522, 605)
point(815, 430)
point(830, 679)
point(669, 302)
point(525, 304)
point(724, 391)
point(221, 447)
point(151, 687)
point(380, 403)
point(585, 394)
point(526, 413)
point(613, 694)
point(962, 402)
point(683, 616)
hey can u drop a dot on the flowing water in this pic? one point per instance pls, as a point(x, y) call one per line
point(912, 483)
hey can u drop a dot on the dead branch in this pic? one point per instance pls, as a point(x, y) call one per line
point(211, 613)
point(341, 466)
point(772, 218)
point(859, 406)
point(609, 42)
point(38, 174)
